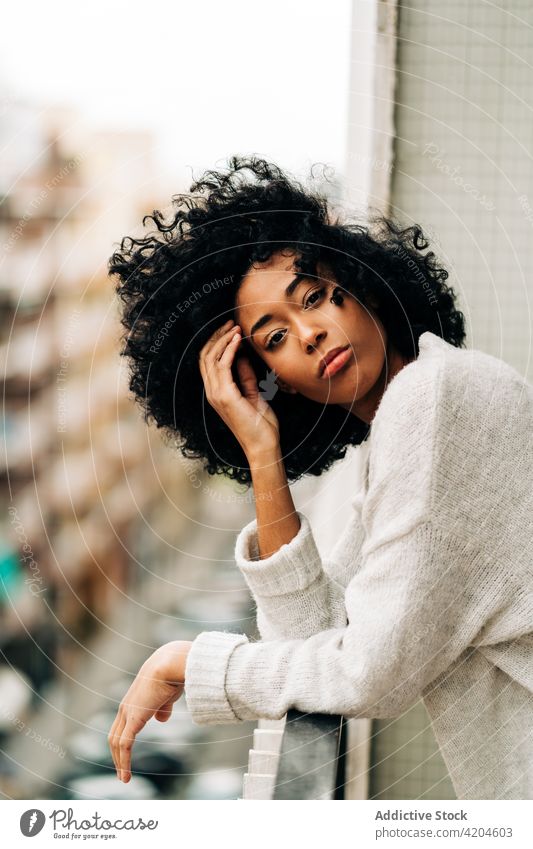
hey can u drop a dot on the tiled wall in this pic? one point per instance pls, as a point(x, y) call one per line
point(463, 165)
point(463, 170)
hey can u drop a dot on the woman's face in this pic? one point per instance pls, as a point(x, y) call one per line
point(293, 331)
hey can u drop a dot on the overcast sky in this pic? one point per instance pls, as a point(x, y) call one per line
point(210, 78)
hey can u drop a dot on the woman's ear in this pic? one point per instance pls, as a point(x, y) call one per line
point(285, 387)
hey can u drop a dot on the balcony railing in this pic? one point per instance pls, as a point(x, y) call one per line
point(300, 757)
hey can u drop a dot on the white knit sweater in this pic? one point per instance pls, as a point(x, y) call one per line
point(428, 592)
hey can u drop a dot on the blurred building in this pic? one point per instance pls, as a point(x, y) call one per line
point(93, 513)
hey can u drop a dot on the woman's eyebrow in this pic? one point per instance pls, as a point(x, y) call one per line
point(295, 282)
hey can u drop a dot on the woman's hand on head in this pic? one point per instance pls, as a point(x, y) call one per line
point(158, 684)
point(244, 410)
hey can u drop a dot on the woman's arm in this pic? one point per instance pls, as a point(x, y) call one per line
point(277, 519)
point(296, 594)
point(416, 604)
point(278, 528)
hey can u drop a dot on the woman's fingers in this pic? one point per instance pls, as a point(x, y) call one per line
point(215, 337)
point(114, 738)
point(125, 746)
point(221, 345)
point(121, 737)
point(247, 378)
point(213, 349)
point(218, 364)
point(133, 725)
point(235, 400)
point(226, 358)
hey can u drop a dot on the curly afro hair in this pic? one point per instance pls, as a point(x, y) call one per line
point(178, 284)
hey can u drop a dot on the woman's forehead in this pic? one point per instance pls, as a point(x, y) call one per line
point(268, 280)
point(275, 267)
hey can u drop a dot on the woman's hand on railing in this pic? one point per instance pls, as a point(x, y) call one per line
point(244, 410)
point(158, 684)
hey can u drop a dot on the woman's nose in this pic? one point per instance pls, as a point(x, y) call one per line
point(311, 339)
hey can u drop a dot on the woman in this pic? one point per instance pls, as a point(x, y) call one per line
point(269, 337)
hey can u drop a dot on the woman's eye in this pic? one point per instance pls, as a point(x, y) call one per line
point(271, 343)
point(312, 299)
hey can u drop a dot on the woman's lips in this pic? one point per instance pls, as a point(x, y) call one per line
point(337, 363)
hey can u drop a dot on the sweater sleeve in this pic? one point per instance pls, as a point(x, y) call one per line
point(295, 592)
point(413, 607)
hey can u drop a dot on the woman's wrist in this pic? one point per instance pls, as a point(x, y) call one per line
point(173, 660)
point(261, 456)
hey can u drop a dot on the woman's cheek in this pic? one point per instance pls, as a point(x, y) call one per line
point(362, 377)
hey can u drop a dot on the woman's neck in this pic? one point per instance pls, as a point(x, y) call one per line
point(365, 408)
